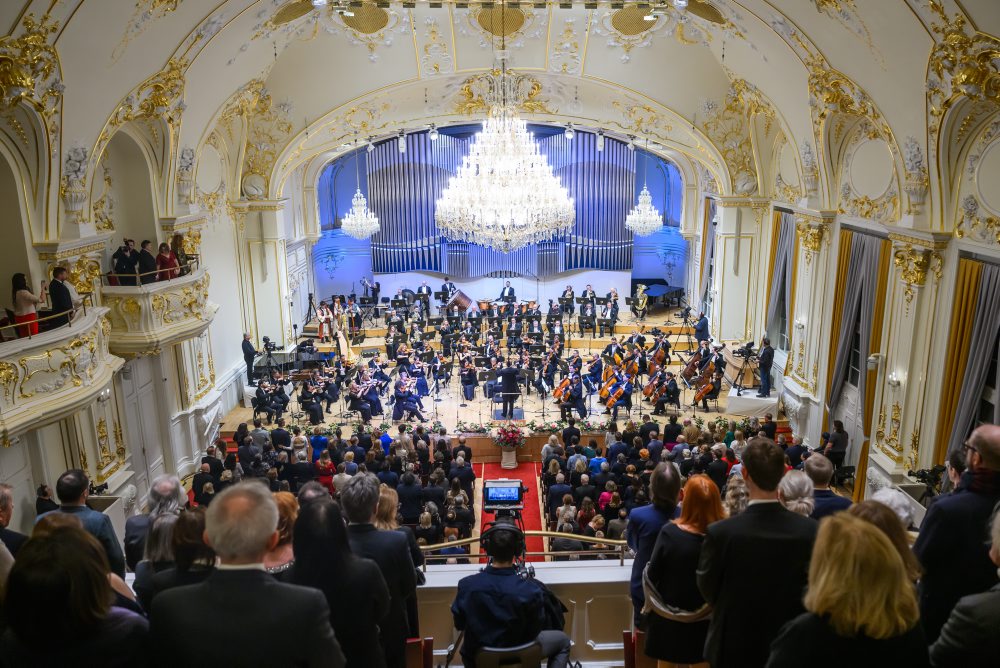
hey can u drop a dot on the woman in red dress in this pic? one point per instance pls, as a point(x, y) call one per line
point(25, 304)
point(167, 264)
point(325, 470)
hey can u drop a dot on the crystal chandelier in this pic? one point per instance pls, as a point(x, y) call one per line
point(359, 222)
point(504, 194)
point(644, 219)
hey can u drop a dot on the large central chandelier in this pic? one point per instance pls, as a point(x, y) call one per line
point(504, 194)
point(644, 219)
point(360, 222)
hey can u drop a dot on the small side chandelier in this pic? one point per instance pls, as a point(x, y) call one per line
point(360, 222)
point(644, 219)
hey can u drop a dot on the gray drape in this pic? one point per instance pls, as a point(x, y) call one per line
point(859, 303)
point(983, 338)
point(706, 261)
point(781, 280)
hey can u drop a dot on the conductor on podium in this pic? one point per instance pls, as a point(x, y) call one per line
point(507, 294)
point(509, 389)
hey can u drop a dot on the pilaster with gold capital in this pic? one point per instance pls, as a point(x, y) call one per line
point(264, 240)
point(901, 391)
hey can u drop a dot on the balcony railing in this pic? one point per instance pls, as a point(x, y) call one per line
point(150, 316)
point(53, 374)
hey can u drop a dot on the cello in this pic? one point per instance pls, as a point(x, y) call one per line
point(651, 386)
point(560, 390)
point(692, 366)
point(618, 392)
point(706, 389)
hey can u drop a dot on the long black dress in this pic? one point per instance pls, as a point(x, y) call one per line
point(672, 569)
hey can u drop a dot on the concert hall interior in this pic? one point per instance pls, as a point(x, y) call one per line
point(732, 226)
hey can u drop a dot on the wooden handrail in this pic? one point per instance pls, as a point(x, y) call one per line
point(620, 544)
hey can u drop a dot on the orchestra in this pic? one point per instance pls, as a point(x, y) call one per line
point(498, 342)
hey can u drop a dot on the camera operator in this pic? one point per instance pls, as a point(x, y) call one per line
point(124, 262)
point(249, 355)
point(701, 328)
point(498, 608)
point(765, 360)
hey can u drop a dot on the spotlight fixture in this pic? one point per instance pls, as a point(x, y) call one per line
point(631, 142)
point(371, 145)
point(570, 132)
point(600, 140)
point(345, 11)
point(681, 4)
point(402, 141)
point(653, 15)
point(319, 3)
point(433, 132)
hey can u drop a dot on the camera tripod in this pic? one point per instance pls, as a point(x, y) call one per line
point(737, 381)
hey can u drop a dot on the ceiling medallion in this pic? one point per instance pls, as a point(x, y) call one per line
point(504, 195)
point(500, 21)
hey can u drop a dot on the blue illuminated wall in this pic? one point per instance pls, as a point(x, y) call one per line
point(402, 189)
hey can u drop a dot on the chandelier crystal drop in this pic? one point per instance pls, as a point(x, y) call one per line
point(359, 222)
point(504, 194)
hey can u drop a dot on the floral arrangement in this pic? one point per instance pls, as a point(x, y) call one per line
point(437, 426)
point(509, 436)
point(472, 428)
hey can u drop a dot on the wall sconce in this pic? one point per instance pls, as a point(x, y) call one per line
point(874, 360)
point(104, 395)
point(800, 324)
point(895, 379)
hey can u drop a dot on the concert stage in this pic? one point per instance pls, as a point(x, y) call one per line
point(750, 405)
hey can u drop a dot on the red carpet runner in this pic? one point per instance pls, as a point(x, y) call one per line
point(528, 474)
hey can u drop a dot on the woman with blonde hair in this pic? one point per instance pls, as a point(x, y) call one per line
point(888, 521)
point(860, 603)
point(795, 492)
point(579, 470)
point(678, 621)
point(737, 495)
point(387, 519)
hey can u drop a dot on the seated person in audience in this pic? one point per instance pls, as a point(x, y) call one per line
point(58, 608)
point(496, 608)
point(456, 553)
point(242, 527)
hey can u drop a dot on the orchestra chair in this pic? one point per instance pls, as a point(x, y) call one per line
point(257, 409)
point(528, 655)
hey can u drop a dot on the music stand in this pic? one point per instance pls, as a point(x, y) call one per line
point(604, 324)
point(427, 336)
point(441, 296)
point(435, 321)
point(600, 301)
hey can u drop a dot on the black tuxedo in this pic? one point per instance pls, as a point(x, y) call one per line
point(147, 264)
point(567, 436)
point(249, 355)
point(448, 287)
point(510, 389)
point(391, 551)
point(215, 464)
point(264, 623)
point(752, 572)
point(198, 483)
point(61, 303)
point(507, 293)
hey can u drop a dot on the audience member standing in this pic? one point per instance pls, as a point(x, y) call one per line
point(25, 305)
point(58, 611)
point(678, 635)
point(861, 605)
point(970, 637)
point(166, 497)
point(12, 539)
point(645, 523)
point(61, 298)
point(753, 566)
point(72, 488)
point(324, 560)
point(388, 549)
point(820, 471)
point(240, 615)
point(147, 262)
point(953, 542)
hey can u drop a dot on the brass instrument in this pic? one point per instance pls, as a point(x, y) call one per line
point(641, 298)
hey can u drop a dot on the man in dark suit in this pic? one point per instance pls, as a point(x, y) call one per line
point(166, 496)
point(388, 549)
point(124, 262)
point(214, 463)
point(61, 300)
point(556, 494)
point(507, 293)
point(765, 359)
point(509, 389)
point(448, 287)
point(701, 328)
point(12, 539)
point(953, 544)
point(569, 432)
point(299, 472)
point(147, 262)
point(258, 613)
point(737, 574)
point(585, 491)
point(465, 475)
point(73, 488)
point(647, 428)
point(820, 471)
point(280, 438)
point(198, 483)
point(249, 355)
point(462, 450)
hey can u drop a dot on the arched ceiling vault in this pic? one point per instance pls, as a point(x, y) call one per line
point(316, 63)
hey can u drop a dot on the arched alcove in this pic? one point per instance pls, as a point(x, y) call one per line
point(14, 257)
point(132, 189)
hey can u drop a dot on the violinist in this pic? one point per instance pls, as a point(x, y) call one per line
point(264, 402)
point(492, 348)
point(547, 380)
point(670, 397)
point(470, 380)
point(403, 356)
point(278, 395)
point(525, 363)
point(406, 400)
point(568, 294)
point(573, 399)
point(593, 378)
point(391, 342)
point(575, 363)
point(418, 371)
point(329, 389)
point(437, 369)
point(357, 403)
point(309, 402)
point(325, 318)
point(370, 392)
point(514, 336)
point(555, 310)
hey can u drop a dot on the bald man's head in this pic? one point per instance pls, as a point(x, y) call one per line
point(985, 442)
point(205, 468)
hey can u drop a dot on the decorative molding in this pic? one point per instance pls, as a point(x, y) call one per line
point(913, 266)
point(917, 181)
point(145, 13)
point(728, 127)
point(480, 93)
point(984, 229)
point(812, 235)
point(435, 54)
point(30, 73)
point(888, 442)
point(564, 56)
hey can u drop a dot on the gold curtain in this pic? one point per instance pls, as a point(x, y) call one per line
point(963, 315)
point(775, 232)
point(874, 344)
point(843, 268)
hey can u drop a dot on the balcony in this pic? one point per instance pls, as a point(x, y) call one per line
point(51, 375)
point(147, 318)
